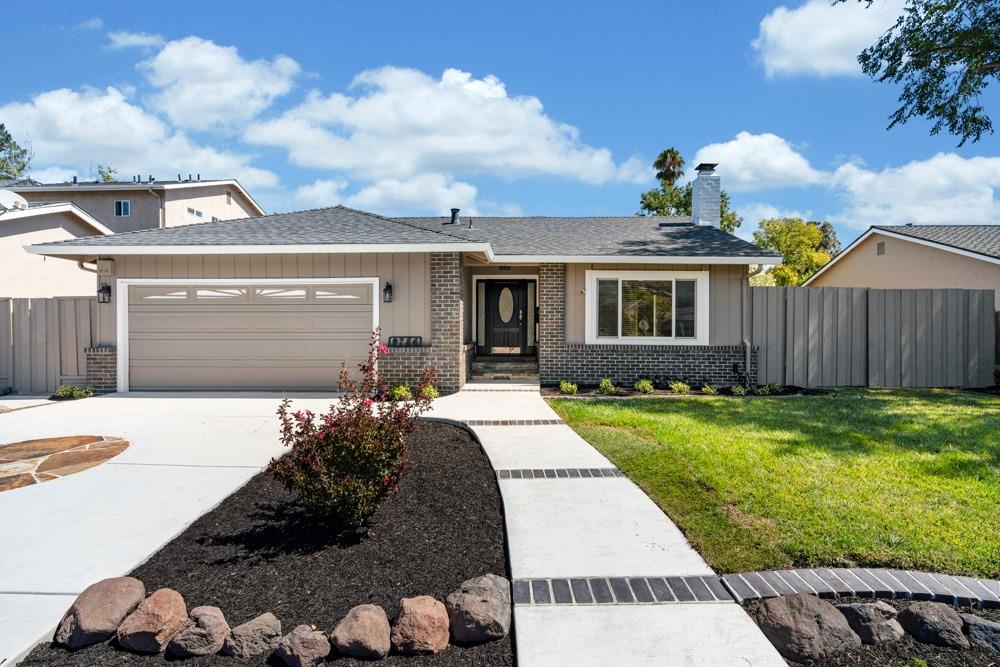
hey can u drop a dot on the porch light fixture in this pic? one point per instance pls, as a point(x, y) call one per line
point(104, 293)
point(387, 293)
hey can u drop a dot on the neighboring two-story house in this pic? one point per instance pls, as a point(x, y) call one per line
point(63, 211)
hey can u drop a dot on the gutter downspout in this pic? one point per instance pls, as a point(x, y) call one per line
point(81, 263)
point(163, 206)
point(746, 320)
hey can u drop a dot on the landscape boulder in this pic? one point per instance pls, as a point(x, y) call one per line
point(98, 611)
point(874, 622)
point(302, 647)
point(479, 611)
point(934, 623)
point(363, 633)
point(422, 626)
point(982, 632)
point(256, 636)
point(154, 622)
point(204, 633)
point(803, 627)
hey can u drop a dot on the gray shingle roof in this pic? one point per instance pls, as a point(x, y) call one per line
point(547, 236)
point(982, 239)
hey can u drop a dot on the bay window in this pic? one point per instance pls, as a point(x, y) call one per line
point(647, 307)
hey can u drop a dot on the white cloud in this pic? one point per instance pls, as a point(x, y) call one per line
point(93, 23)
point(320, 193)
point(122, 39)
point(53, 174)
point(424, 194)
point(75, 129)
point(203, 84)
point(758, 162)
point(944, 189)
point(820, 38)
point(403, 123)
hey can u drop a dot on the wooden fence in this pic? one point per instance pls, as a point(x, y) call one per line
point(42, 342)
point(840, 336)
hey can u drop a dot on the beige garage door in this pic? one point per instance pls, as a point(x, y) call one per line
point(263, 336)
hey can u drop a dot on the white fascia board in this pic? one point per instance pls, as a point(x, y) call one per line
point(630, 259)
point(64, 207)
point(233, 182)
point(298, 249)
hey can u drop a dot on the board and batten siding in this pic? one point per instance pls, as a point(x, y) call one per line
point(42, 342)
point(409, 273)
point(725, 298)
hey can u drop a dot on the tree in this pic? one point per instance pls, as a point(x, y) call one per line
point(14, 159)
point(829, 243)
point(801, 244)
point(671, 199)
point(106, 173)
point(944, 53)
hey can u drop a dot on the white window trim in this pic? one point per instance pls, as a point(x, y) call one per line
point(126, 203)
point(701, 318)
point(121, 303)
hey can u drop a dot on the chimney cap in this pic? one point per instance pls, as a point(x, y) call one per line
point(706, 166)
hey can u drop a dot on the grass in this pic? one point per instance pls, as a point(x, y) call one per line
point(907, 479)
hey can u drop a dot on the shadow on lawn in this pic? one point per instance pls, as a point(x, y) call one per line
point(860, 422)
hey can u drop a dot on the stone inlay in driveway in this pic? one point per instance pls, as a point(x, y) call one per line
point(620, 590)
point(34, 461)
point(558, 473)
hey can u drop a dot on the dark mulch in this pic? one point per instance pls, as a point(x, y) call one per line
point(901, 653)
point(590, 391)
point(256, 552)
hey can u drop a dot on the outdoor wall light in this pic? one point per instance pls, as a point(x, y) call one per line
point(387, 292)
point(104, 293)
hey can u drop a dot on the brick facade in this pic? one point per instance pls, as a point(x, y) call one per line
point(447, 353)
point(624, 364)
point(102, 369)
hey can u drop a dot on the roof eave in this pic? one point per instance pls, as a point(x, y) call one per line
point(66, 251)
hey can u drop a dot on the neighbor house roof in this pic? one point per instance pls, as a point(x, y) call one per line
point(30, 185)
point(520, 239)
point(976, 241)
point(48, 209)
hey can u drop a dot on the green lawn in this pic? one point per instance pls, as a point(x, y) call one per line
point(891, 478)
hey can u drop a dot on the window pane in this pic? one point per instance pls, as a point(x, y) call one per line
point(685, 308)
point(607, 308)
point(646, 306)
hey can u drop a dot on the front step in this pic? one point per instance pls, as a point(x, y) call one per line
point(499, 369)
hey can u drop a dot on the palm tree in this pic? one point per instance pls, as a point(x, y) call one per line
point(669, 166)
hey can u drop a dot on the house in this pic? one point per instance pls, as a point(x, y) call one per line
point(64, 211)
point(918, 256)
point(26, 275)
point(279, 302)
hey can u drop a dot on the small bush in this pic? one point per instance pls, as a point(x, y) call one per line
point(567, 387)
point(761, 391)
point(679, 387)
point(738, 390)
point(429, 392)
point(606, 387)
point(709, 390)
point(401, 392)
point(72, 392)
point(342, 463)
point(644, 386)
point(773, 388)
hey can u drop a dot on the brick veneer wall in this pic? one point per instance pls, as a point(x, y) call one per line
point(446, 353)
point(624, 364)
point(102, 369)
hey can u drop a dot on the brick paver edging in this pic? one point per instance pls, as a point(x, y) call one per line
point(619, 590)
point(512, 422)
point(558, 473)
point(865, 582)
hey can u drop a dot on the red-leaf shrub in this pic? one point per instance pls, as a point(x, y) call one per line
point(344, 462)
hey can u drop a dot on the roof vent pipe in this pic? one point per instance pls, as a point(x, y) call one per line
point(454, 215)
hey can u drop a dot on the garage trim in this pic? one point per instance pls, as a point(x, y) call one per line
point(122, 285)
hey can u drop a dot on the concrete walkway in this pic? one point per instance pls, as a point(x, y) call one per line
point(590, 528)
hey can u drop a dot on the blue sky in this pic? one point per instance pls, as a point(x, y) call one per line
point(499, 108)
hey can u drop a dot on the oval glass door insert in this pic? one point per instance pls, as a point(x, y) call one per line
point(506, 304)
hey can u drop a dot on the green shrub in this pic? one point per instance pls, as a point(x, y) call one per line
point(679, 387)
point(401, 392)
point(773, 388)
point(429, 392)
point(342, 463)
point(761, 391)
point(606, 387)
point(567, 387)
point(644, 386)
point(916, 662)
point(72, 392)
point(738, 390)
point(709, 389)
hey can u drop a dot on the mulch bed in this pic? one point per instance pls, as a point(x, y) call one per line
point(590, 391)
point(257, 552)
point(901, 653)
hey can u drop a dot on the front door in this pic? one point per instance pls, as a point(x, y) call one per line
point(507, 317)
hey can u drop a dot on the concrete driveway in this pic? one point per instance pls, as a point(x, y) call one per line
point(188, 452)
